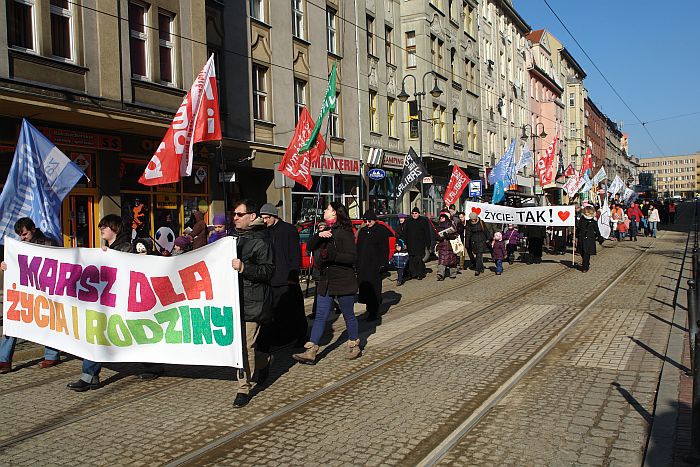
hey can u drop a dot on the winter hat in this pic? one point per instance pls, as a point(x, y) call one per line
point(269, 209)
point(498, 236)
point(415, 210)
point(183, 241)
point(402, 216)
point(219, 219)
point(370, 215)
point(472, 216)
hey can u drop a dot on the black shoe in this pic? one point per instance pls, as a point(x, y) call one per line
point(399, 283)
point(82, 386)
point(439, 278)
point(477, 273)
point(149, 375)
point(241, 400)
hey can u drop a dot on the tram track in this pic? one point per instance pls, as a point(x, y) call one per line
point(211, 451)
point(29, 434)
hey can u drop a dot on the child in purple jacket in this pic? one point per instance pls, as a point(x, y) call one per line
point(511, 237)
point(499, 252)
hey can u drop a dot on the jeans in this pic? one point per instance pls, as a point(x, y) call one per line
point(399, 275)
point(652, 228)
point(7, 349)
point(91, 371)
point(499, 265)
point(324, 305)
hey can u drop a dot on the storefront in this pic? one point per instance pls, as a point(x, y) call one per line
point(112, 164)
point(334, 179)
point(382, 193)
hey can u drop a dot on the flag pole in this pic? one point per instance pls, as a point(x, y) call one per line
point(573, 249)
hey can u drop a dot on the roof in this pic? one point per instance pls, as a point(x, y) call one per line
point(535, 36)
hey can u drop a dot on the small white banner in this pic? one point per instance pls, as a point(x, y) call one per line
point(109, 306)
point(554, 216)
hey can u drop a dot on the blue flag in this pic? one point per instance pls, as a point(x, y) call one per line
point(499, 192)
point(503, 171)
point(40, 177)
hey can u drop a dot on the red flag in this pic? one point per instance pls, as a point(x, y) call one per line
point(570, 171)
point(298, 166)
point(545, 164)
point(587, 164)
point(196, 120)
point(458, 182)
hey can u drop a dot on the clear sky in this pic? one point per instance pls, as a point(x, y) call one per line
point(648, 50)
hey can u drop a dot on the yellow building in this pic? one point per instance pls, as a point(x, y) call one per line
point(673, 175)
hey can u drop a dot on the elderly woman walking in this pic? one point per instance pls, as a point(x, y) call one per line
point(447, 259)
point(587, 233)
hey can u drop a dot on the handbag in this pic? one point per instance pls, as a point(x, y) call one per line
point(457, 246)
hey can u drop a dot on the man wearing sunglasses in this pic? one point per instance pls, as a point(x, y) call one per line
point(255, 266)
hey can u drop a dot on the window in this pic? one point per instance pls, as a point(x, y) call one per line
point(260, 94)
point(437, 4)
point(298, 18)
point(436, 52)
point(391, 116)
point(257, 9)
point(138, 40)
point(469, 19)
point(471, 135)
point(413, 120)
point(166, 46)
point(388, 42)
point(20, 19)
point(334, 119)
point(332, 35)
point(373, 115)
point(456, 128)
point(572, 100)
point(453, 70)
point(572, 130)
point(61, 29)
point(439, 125)
point(371, 46)
point(411, 49)
point(299, 98)
point(471, 76)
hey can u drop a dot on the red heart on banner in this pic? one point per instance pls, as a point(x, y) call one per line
point(476, 210)
point(563, 215)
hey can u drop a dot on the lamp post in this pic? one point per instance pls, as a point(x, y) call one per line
point(403, 97)
point(525, 136)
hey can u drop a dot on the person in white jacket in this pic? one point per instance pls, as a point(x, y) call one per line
point(653, 219)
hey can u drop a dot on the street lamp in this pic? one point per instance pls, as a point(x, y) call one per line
point(403, 97)
point(525, 136)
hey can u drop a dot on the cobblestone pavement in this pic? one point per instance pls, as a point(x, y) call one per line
point(412, 388)
point(591, 400)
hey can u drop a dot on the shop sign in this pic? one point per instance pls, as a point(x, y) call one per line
point(392, 161)
point(81, 160)
point(61, 137)
point(200, 175)
point(336, 165)
point(475, 188)
point(376, 174)
point(166, 202)
point(227, 177)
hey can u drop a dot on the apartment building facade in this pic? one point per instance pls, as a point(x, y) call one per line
point(505, 95)
point(673, 175)
point(594, 131)
point(102, 80)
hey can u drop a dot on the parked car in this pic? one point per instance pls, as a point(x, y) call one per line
point(306, 229)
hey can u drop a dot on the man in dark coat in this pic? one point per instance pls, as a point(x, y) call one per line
point(288, 318)
point(535, 242)
point(587, 233)
point(255, 265)
point(372, 257)
point(417, 238)
point(399, 230)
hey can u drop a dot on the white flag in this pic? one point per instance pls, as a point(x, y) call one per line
point(616, 186)
point(604, 219)
point(525, 158)
point(600, 176)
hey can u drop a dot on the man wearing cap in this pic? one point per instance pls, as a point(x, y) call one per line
point(372, 256)
point(417, 238)
point(399, 230)
point(289, 320)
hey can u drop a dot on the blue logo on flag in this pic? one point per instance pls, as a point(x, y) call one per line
point(40, 177)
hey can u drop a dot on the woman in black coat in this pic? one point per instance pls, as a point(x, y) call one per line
point(416, 234)
point(587, 233)
point(336, 257)
point(372, 257)
point(476, 238)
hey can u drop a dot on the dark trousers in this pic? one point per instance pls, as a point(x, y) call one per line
point(536, 249)
point(634, 229)
point(586, 264)
point(672, 217)
point(399, 275)
point(472, 258)
point(416, 266)
point(288, 318)
point(479, 262)
point(511, 249)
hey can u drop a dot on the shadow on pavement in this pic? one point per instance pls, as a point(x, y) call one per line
point(633, 402)
point(668, 322)
point(665, 358)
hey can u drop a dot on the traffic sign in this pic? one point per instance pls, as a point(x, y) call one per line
point(376, 174)
point(475, 188)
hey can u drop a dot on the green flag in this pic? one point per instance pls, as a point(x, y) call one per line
point(328, 105)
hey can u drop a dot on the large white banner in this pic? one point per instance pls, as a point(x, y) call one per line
point(553, 216)
point(110, 306)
